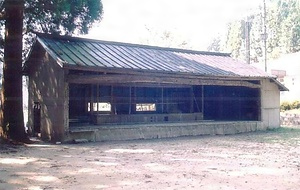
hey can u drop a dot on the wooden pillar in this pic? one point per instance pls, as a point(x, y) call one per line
point(202, 99)
point(134, 100)
point(86, 100)
point(98, 96)
point(192, 97)
point(162, 99)
point(112, 101)
point(130, 101)
point(92, 100)
point(240, 106)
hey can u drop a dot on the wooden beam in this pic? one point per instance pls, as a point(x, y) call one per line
point(136, 79)
point(122, 71)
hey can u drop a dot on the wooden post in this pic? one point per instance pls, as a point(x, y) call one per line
point(97, 98)
point(192, 97)
point(86, 101)
point(134, 100)
point(92, 100)
point(162, 99)
point(112, 100)
point(130, 101)
point(202, 99)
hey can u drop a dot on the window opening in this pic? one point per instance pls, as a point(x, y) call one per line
point(100, 106)
point(145, 107)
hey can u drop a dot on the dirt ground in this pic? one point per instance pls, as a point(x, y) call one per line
point(261, 160)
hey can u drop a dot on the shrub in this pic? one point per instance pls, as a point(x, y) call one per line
point(290, 105)
point(296, 105)
point(285, 106)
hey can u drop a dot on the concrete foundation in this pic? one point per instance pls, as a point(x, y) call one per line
point(163, 130)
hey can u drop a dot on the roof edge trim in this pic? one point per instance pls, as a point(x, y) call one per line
point(52, 54)
point(280, 86)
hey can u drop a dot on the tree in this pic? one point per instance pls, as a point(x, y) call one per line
point(283, 31)
point(12, 71)
point(49, 16)
point(164, 38)
point(234, 38)
point(215, 44)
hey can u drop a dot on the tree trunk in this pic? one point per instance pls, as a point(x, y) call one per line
point(13, 122)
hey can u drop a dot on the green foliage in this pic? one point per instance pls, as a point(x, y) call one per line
point(164, 38)
point(215, 45)
point(289, 105)
point(283, 31)
point(296, 105)
point(56, 17)
point(48, 16)
point(234, 38)
point(61, 16)
point(285, 106)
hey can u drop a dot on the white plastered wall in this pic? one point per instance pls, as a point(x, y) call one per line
point(270, 104)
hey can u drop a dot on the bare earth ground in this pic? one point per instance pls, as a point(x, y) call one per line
point(261, 160)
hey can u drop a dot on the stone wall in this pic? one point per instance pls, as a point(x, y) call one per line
point(289, 119)
point(163, 130)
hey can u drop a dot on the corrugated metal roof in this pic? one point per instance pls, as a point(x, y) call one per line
point(94, 53)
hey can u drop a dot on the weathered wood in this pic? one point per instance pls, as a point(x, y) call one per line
point(152, 73)
point(92, 100)
point(98, 96)
point(136, 79)
point(162, 100)
point(202, 101)
point(130, 101)
point(191, 100)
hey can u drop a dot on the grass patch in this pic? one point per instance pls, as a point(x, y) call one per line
point(282, 135)
point(285, 130)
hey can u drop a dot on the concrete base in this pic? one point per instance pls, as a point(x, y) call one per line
point(163, 130)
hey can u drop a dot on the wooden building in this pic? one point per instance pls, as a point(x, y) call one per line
point(99, 90)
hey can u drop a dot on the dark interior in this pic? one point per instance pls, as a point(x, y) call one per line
point(218, 103)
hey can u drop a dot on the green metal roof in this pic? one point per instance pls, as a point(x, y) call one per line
point(71, 51)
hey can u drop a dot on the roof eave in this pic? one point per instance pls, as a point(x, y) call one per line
point(157, 72)
point(60, 62)
point(280, 86)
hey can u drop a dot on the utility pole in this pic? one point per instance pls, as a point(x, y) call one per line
point(265, 33)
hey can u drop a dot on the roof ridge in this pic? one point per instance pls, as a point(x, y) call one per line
point(179, 50)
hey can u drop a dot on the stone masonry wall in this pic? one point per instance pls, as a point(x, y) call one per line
point(289, 119)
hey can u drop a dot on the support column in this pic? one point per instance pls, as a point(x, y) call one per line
point(202, 103)
point(130, 101)
point(192, 97)
point(92, 100)
point(162, 99)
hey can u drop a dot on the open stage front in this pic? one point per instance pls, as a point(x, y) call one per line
point(100, 112)
point(160, 130)
point(100, 119)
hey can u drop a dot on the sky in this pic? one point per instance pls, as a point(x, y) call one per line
point(196, 22)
